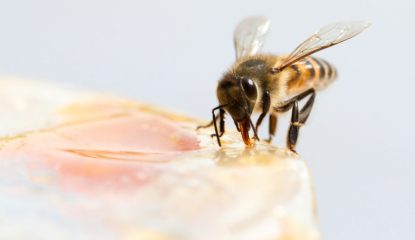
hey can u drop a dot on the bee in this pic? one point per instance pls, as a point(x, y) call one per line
point(273, 84)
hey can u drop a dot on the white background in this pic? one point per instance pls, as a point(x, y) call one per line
point(359, 140)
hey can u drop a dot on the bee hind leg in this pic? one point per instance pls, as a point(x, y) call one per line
point(298, 116)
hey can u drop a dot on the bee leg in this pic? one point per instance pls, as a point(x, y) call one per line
point(294, 129)
point(273, 119)
point(254, 129)
point(207, 125)
point(266, 105)
point(298, 117)
point(221, 123)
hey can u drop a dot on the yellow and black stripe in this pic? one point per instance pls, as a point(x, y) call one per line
point(311, 72)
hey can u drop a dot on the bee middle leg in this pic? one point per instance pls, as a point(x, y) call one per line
point(273, 120)
point(298, 117)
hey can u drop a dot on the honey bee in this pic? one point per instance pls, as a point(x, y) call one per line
point(274, 84)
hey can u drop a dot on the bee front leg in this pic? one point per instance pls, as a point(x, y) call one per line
point(266, 105)
point(298, 117)
point(221, 123)
point(207, 125)
point(221, 116)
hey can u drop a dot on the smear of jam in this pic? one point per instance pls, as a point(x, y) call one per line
point(118, 148)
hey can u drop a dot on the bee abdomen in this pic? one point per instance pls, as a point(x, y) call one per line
point(311, 72)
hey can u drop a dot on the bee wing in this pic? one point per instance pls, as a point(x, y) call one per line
point(249, 35)
point(327, 36)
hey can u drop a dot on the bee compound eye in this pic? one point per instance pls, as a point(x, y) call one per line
point(249, 87)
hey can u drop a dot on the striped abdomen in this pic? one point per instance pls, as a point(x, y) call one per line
point(311, 72)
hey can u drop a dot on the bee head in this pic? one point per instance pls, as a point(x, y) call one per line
point(239, 95)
